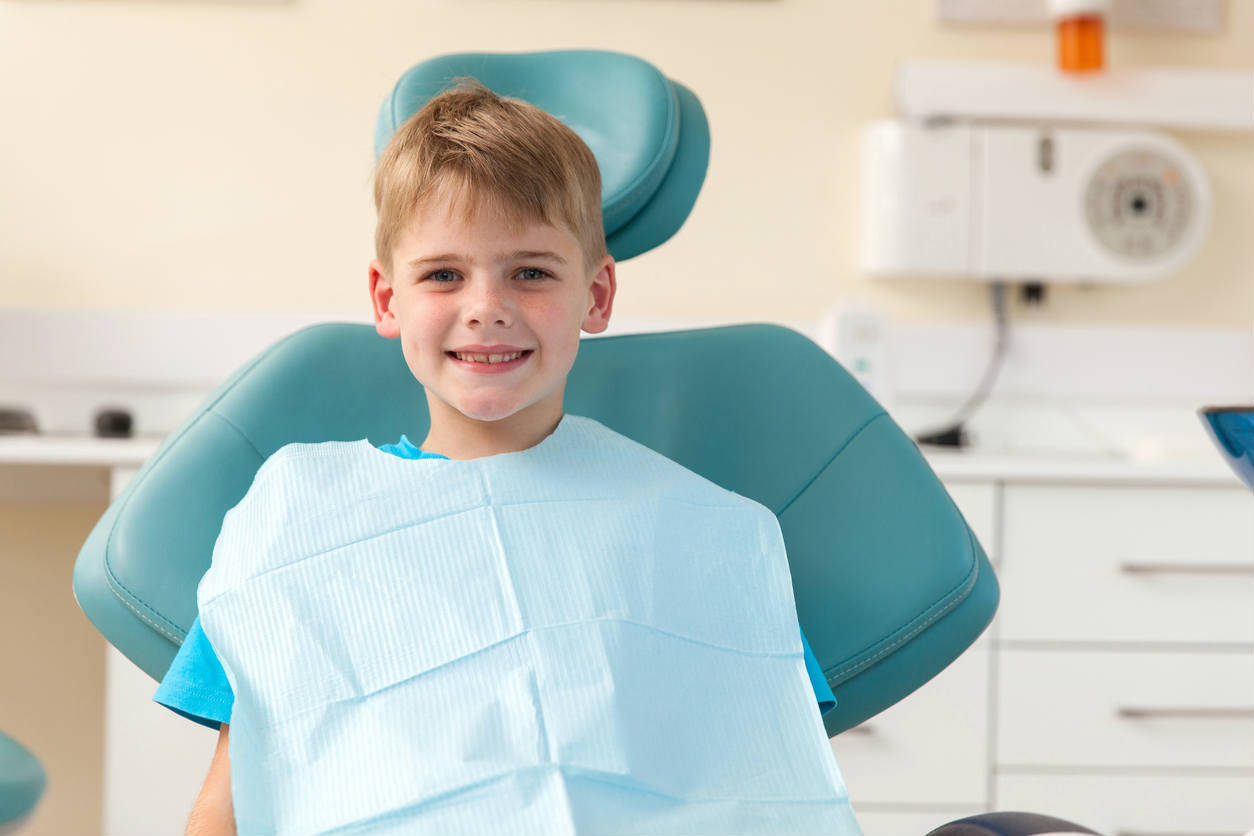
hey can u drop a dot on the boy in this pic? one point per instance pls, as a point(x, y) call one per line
point(490, 259)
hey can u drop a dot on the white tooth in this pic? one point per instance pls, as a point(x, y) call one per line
point(490, 358)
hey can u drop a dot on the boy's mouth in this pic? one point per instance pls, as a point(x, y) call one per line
point(490, 363)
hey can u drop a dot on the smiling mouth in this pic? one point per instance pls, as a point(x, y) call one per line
point(469, 358)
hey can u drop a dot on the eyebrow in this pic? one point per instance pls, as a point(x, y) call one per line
point(502, 257)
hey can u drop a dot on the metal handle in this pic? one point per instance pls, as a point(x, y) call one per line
point(1187, 568)
point(1209, 713)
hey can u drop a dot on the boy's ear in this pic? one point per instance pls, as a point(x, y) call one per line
point(381, 299)
point(601, 297)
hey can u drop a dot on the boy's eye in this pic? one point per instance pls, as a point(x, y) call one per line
point(535, 274)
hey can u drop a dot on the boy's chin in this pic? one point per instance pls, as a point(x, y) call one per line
point(485, 413)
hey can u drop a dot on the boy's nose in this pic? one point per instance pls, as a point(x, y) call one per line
point(486, 303)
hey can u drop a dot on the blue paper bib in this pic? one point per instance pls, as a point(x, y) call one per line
point(583, 637)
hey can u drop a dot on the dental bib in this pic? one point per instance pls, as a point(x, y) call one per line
point(583, 637)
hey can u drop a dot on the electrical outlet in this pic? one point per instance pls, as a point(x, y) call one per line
point(1199, 16)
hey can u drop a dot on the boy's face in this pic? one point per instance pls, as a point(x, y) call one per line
point(474, 286)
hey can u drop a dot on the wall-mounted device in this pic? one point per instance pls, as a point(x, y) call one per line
point(1018, 172)
point(1021, 173)
point(1029, 203)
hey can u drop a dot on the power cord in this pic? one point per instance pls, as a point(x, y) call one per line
point(955, 434)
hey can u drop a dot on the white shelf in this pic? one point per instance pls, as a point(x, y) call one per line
point(83, 451)
point(1213, 100)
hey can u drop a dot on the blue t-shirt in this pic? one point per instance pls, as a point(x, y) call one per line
point(196, 687)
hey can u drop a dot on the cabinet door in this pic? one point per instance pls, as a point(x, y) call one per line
point(1082, 709)
point(1086, 563)
point(930, 748)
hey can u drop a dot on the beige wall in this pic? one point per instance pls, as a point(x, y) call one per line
point(217, 156)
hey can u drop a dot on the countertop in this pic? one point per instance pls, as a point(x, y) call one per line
point(949, 465)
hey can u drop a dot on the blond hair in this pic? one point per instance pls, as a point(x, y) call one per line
point(479, 149)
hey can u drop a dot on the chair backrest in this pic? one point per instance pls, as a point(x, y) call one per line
point(648, 132)
point(890, 583)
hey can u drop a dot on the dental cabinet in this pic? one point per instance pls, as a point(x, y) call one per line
point(1115, 687)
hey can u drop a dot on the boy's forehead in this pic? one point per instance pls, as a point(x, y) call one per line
point(439, 225)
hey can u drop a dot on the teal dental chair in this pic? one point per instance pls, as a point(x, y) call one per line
point(22, 783)
point(890, 583)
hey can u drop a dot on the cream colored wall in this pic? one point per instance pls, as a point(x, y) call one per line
point(217, 156)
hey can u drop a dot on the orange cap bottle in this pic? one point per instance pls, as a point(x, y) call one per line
point(1080, 44)
point(1081, 31)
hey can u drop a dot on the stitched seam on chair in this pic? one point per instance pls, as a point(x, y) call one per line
point(115, 585)
point(956, 595)
point(242, 434)
point(124, 593)
point(176, 639)
point(650, 172)
point(820, 471)
point(118, 587)
point(945, 602)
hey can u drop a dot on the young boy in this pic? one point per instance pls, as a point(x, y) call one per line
point(491, 258)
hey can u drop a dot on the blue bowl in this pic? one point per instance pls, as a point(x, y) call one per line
point(1232, 430)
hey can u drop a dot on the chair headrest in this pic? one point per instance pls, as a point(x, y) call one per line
point(649, 134)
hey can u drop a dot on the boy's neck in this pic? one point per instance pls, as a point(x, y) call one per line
point(470, 439)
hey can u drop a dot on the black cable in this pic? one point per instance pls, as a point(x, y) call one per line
point(954, 434)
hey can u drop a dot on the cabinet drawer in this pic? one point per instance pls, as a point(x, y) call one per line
point(930, 748)
point(1094, 563)
point(1136, 805)
point(1088, 708)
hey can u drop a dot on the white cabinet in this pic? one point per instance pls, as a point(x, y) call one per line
point(905, 747)
point(1127, 563)
point(1095, 709)
point(1115, 687)
point(1124, 656)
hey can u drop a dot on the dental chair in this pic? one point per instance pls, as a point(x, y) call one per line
point(890, 583)
point(22, 783)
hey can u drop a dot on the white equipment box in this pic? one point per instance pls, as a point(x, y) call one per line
point(1031, 203)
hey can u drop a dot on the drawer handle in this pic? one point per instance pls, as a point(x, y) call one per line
point(1187, 568)
point(1216, 713)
